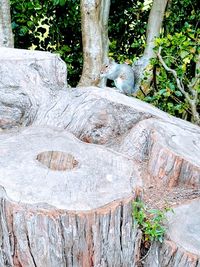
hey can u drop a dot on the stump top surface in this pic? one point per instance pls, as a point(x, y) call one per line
point(43, 165)
point(23, 54)
point(184, 226)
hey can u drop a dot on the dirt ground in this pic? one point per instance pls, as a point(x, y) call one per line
point(159, 196)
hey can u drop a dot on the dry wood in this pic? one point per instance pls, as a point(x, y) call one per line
point(182, 244)
point(73, 160)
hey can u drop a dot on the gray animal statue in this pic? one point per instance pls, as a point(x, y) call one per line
point(121, 74)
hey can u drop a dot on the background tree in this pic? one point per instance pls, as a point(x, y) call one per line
point(153, 30)
point(95, 40)
point(180, 51)
point(94, 25)
point(6, 37)
point(56, 26)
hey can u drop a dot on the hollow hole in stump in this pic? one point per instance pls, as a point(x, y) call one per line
point(57, 160)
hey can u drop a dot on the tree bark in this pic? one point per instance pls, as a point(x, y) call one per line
point(154, 26)
point(174, 250)
point(72, 162)
point(94, 23)
point(6, 36)
point(153, 30)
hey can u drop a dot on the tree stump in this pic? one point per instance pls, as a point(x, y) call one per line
point(182, 244)
point(72, 162)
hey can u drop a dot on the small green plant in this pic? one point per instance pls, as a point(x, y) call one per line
point(150, 222)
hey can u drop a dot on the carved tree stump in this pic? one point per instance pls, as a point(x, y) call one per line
point(73, 160)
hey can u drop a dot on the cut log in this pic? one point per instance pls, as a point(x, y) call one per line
point(182, 243)
point(27, 78)
point(51, 166)
point(71, 205)
point(72, 162)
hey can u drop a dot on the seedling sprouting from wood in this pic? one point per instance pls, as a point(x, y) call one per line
point(151, 222)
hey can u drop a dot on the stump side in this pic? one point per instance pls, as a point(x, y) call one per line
point(46, 237)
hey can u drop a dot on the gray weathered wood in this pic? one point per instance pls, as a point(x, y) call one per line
point(71, 163)
point(182, 244)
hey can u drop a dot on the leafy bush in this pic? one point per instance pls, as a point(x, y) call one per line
point(149, 221)
point(180, 52)
point(127, 29)
point(50, 26)
point(55, 26)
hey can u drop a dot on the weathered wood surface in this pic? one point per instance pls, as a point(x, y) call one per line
point(182, 244)
point(35, 235)
point(26, 79)
point(71, 163)
point(92, 179)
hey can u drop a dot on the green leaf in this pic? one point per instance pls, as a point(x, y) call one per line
point(55, 2)
point(162, 91)
point(167, 94)
point(171, 86)
point(23, 30)
point(178, 93)
point(30, 23)
point(62, 2)
point(170, 105)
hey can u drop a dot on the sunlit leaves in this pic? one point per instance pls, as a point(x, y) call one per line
point(50, 25)
point(179, 52)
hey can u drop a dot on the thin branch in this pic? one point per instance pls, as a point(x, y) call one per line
point(195, 81)
point(178, 82)
point(192, 100)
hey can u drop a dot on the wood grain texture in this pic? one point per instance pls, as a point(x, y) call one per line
point(72, 160)
point(38, 236)
point(182, 244)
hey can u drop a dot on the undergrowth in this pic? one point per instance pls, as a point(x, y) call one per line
point(151, 223)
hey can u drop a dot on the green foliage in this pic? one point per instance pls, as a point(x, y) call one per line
point(149, 221)
point(55, 25)
point(180, 48)
point(50, 25)
point(127, 28)
point(179, 12)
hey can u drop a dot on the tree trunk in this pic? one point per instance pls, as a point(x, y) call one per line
point(94, 22)
point(6, 36)
point(154, 26)
point(153, 30)
point(73, 161)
